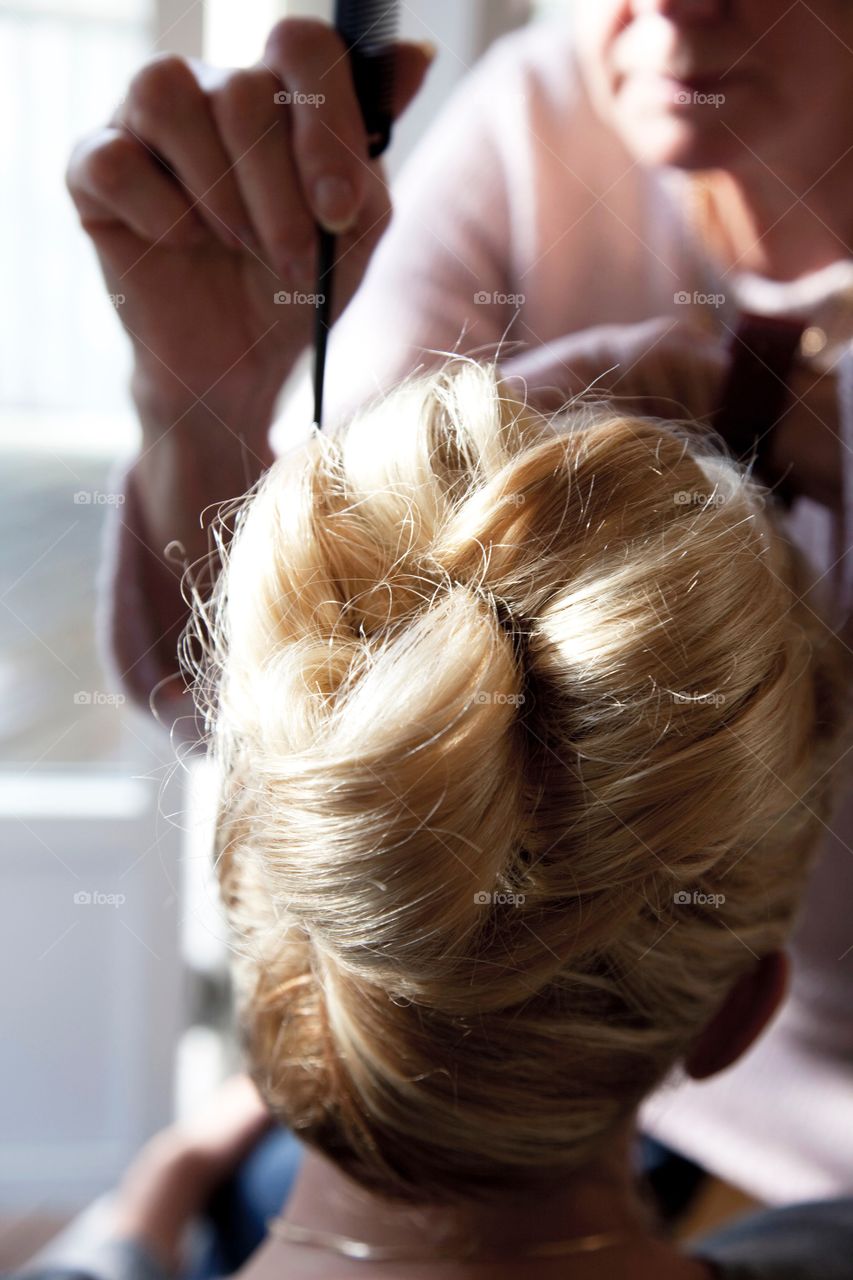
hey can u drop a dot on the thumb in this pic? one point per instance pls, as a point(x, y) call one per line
point(412, 60)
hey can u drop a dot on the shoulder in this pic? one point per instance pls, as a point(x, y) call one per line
point(797, 1242)
point(540, 53)
point(524, 107)
point(529, 74)
point(530, 80)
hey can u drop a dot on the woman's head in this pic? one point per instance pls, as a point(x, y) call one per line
point(731, 84)
point(525, 734)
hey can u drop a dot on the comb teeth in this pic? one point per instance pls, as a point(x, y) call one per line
point(367, 25)
point(369, 28)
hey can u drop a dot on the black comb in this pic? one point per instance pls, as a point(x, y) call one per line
point(368, 28)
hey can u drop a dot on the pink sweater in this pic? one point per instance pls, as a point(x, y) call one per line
point(521, 218)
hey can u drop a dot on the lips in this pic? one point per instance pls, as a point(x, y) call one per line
point(701, 80)
point(669, 90)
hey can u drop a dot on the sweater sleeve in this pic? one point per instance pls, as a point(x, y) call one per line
point(135, 592)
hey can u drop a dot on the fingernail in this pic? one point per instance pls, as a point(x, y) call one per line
point(427, 47)
point(334, 203)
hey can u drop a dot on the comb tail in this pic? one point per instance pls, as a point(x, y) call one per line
point(368, 29)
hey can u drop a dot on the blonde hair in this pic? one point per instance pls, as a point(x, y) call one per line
point(525, 728)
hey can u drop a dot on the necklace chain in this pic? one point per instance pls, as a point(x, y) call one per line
point(363, 1251)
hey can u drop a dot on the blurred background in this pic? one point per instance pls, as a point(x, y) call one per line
point(114, 996)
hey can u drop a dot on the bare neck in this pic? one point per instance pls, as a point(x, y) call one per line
point(782, 225)
point(604, 1202)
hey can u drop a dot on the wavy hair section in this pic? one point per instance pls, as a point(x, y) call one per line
point(525, 727)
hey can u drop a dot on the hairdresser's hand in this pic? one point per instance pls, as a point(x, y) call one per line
point(173, 1177)
point(201, 197)
point(666, 368)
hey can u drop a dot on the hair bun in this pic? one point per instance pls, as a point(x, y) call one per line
point(525, 729)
